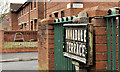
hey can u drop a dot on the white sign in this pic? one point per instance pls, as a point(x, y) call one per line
point(68, 6)
point(75, 41)
point(75, 57)
point(77, 5)
point(76, 48)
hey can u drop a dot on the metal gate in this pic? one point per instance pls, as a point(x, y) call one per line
point(112, 15)
point(61, 62)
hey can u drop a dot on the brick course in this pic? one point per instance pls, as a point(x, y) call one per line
point(94, 11)
point(100, 40)
point(28, 35)
point(1, 39)
point(15, 50)
point(46, 45)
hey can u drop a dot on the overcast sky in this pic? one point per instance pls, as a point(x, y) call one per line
point(22, 1)
point(17, 1)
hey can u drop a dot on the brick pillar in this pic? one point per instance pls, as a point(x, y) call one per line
point(46, 45)
point(1, 39)
point(100, 44)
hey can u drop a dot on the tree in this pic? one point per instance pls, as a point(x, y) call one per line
point(4, 8)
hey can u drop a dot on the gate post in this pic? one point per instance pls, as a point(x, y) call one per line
point(100, 45)
point(46, 44)
point(1, 39)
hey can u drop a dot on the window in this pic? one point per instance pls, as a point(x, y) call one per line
point(35, 25)
point(34, 3)
point(22, 11)
point(49, 0)
point(56, 15)
point(50, 15)
point(28, 8)
point(31, 25)
point(31, 5)
point(21, 27)
point(25, 24)
point(62, 14)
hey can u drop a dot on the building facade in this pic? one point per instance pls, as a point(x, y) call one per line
point(27, 16)
point(13, 16)
point(64, 9)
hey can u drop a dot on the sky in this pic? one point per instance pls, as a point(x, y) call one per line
point(22, 1)
point(16, 1)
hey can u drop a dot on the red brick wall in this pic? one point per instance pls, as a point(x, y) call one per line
point(100, 45)
point(60, 6)
point(1, 39)
point(46, 45)
point(40, 10)
point(100, 41)
point(22, 49)
point(14, 21)
point(28, 35)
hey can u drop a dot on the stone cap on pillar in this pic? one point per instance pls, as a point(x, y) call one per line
point(82, 18)
point(49, 20)
point(96, 11)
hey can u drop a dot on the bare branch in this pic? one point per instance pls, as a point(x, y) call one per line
point(3, 9)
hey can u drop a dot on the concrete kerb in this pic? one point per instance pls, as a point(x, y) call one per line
point(19, 59)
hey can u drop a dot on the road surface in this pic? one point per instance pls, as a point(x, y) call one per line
point(19, 55)
point(21, 65)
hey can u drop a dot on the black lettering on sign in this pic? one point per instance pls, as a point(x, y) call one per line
point(75, 41)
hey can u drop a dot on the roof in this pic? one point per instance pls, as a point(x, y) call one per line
point(23, 5)
point(15, 6)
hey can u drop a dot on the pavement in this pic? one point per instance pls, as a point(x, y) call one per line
point(25, 56)
point(19, 59)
